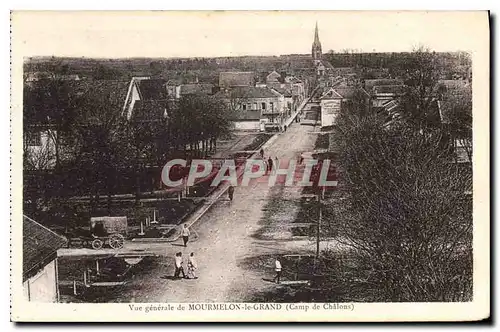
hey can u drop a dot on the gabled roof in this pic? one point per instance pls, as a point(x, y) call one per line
point(233, 79)
point(40, 244)
point(344, 92)
point(274, 77)
point(152, 89)
point(331, 94)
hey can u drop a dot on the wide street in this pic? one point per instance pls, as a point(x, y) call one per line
point(234, 240)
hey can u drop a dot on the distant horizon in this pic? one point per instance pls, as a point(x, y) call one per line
point(222, 34)
point(48, 57)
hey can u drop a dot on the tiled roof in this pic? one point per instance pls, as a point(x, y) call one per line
point(196, 88)
point(232, 79)
point(152, 89)
point(40, 244)
point(248, 92)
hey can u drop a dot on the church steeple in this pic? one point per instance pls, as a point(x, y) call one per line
point(316, 46)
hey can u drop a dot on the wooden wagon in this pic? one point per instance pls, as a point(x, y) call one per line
point(103, 231)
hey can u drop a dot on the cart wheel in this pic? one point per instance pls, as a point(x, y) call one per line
point(116, 241)
point(97, 244)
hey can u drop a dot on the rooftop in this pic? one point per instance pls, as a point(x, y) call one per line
point(248, 92)
point(196, 88)
point(152, 89)
point(369, 84)
point(40, 244)
point(233, 79)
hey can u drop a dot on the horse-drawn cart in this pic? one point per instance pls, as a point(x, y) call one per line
point(103, 231)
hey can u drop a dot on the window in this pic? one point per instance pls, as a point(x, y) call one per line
point(244, 107)
point(255, 106)
point(34, 138)
point(271, 104)
point(263, 106)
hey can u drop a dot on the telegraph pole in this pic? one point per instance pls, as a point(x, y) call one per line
point(318, 224)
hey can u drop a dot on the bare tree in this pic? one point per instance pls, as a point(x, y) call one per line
point(408, 217)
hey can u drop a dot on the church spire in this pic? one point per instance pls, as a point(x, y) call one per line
point(316, 34)
point(316, 46)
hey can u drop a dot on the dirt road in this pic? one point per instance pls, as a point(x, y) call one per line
point(226, 245)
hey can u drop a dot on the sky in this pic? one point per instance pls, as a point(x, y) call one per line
point(123, 34)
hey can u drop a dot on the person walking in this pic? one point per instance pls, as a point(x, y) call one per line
point(230, 192)
point(178, 266)
point(192, 267)
point(276, 163)
point(185, 234)
point(277, 268)
point(269, 164)
point(261, 153)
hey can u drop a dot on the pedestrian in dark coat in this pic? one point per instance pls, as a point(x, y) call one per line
point(230, 192)
point(262, 153)
point(269, 164)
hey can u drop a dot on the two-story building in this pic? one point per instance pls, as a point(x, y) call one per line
point(339, 99)
point(251, 106)
point(382, 91)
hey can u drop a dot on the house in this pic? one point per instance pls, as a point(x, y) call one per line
point(196, 89)
point(143, 88)
point(236, 79)
point(42, 136)
point(323, 67)
point(274, 79)
point(290, 103)
point(40, 245)
point(383, 90)
point(252, 105)
point(338, 99)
